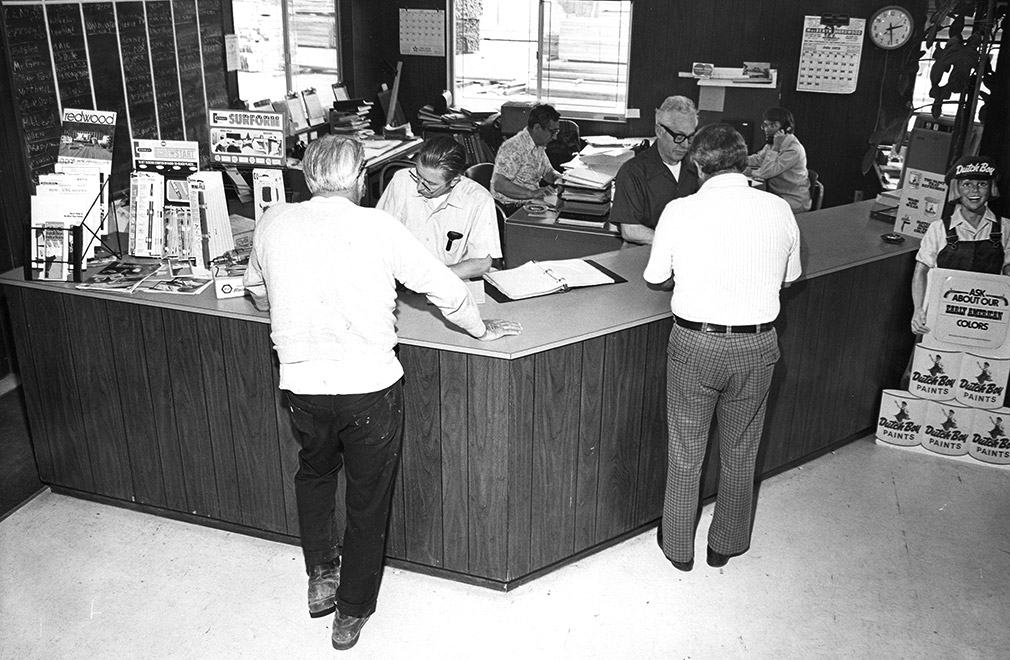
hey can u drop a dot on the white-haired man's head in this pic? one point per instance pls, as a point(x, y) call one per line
point(333, 165)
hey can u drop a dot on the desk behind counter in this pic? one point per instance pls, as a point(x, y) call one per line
point(378, 152)
point(519, 455)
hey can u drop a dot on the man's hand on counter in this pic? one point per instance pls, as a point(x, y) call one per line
point(498, 328)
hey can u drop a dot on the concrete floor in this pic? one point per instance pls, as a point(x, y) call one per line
point(869, 552)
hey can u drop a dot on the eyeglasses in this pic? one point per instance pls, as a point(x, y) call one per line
point(553, 131)
point(975, 184)
point(677, 136)
point(428, 187)
point(770, 124)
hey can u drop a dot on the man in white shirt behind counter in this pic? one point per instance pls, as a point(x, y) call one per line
point(326, 269)
point(453, 216)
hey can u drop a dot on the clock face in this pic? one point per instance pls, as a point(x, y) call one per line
point(891, 27)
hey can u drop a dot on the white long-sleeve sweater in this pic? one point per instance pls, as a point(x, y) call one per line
point(329, 269)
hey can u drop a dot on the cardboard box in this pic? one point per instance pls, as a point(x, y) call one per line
point(514, 115)
point(227, 284)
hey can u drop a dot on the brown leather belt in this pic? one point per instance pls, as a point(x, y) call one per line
point(723, 329)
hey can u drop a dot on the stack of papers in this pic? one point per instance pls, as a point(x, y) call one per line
point(611, 141)
point(588, 178)
point(189, 285)
point(120, 276)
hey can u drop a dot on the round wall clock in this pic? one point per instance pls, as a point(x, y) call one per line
point(891, 27)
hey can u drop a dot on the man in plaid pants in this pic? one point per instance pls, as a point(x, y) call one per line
point(730, 248)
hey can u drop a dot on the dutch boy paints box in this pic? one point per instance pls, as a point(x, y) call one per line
point(901, 417)
point(934, 373)
point(982, 381)
point(947, 428)
point(989, 441)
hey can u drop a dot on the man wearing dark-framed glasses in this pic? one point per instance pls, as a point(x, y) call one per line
point(658, 175)
point(453, 216)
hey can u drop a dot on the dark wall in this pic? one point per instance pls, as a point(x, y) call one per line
point(668, 35)
point(361, 35)
point(13, 203)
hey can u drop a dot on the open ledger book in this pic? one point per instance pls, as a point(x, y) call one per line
point(539, 278)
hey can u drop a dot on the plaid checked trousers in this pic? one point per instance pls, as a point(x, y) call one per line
point(727, 375)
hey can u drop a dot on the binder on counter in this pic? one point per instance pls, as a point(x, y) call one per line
point(541, 278)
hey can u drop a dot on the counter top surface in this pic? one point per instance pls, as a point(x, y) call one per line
point(832, 240)
point(841, 237)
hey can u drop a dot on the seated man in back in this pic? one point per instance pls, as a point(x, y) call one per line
point(451, 215)
point(782, 162)
point(658, 175)
point(522, 161)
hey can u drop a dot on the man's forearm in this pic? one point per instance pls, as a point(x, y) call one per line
point(513, 190)
point(469, 268)
point(637, 234)
point(919, 286)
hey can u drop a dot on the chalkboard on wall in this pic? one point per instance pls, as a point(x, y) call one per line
point(33, 83)
point(156, 63)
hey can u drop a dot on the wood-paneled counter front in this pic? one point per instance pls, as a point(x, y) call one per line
point(518, 454)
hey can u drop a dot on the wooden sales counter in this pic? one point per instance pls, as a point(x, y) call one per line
point(518, 455)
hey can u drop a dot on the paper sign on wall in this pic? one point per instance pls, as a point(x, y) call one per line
point(829, 56)
point(922, 199)
point(422, 32)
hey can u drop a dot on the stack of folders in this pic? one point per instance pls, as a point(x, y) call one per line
point(455, 119)
point(350, 117)
point(585, 196)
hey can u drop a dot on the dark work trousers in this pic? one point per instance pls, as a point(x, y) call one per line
point(362, 433)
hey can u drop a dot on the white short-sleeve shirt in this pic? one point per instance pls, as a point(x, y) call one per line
point(729, 248)
point(935, 238)
point(467, 208)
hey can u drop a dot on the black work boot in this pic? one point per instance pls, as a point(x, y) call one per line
point(323, 582)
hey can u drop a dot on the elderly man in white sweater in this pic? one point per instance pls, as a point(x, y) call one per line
point(326, 269)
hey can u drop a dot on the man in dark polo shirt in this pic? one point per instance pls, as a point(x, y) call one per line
point(650, 180)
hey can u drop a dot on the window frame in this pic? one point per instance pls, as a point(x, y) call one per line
point(926, 62)
point(288, 45)
point(617, 115)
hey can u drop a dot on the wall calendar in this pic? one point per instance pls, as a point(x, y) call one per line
point(829, 56)
point(422, 32)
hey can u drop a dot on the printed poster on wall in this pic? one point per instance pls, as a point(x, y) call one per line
point(922, 199)
point(966, 310)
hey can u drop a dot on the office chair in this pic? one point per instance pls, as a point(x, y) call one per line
point(389, 169)
point(481, 173)
point(816, 190)
point(500, 213)
point(566, 145)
